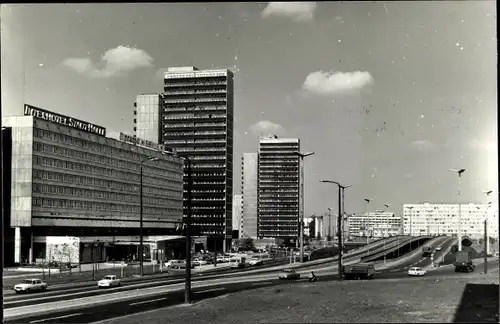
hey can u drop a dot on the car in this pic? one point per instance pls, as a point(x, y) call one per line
point(289, 274)
point(30, 285)
point(416, 271)
point(199, 262)
point(255, 262)
point(438, 248)
point(109, 281)
point(172, 263)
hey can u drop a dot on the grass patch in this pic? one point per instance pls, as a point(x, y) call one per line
point(405, 301)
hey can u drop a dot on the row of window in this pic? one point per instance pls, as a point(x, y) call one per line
point(98, 147)
point(97, 170)
point(170, 170)
point(98, 182)
point(102, 207)
point(105, 195)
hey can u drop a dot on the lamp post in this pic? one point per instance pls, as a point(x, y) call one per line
point(339, 223)
point(488, 202)
point(459, 172)
point(329, 224)
point(302, 202)
point(367, 200)
point(141, 236)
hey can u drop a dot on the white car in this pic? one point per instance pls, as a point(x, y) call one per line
point(438, 248)
point(255, 262)
point(199, 262)
point(416, 271)
point(29, 285)
point(109, 281)
point(173, 263)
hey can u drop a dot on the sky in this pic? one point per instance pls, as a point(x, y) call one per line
point(389, 96)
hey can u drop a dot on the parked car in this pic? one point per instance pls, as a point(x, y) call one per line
point(289, 274)
point(109, 281)
point(199, 262)
point(255, 262)
point(30, 285)
point(416, 271)
point(172, 263)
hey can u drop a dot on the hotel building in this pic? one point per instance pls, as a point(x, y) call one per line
point(195, 115)
point(279, 180)
point(65, 178)
point(442, 219)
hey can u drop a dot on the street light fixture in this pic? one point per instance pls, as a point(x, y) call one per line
point(488, 203)
point(329, 224)
point(302, 202)
point(339, 222)
point(459, 172)
point(367, 200)
point(141, 237)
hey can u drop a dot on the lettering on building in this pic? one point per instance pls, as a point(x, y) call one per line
point(64, 120)
point(145, 143)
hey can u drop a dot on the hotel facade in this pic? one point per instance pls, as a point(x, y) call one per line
point(63, 178)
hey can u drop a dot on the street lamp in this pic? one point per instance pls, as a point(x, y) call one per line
point(459, 172)
point(301, 218)
point(329, 224)
point(487, 193)
point(141, 237)
point(367, 200)
point(339, 222)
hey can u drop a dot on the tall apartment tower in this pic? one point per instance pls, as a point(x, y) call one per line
point(197, 120)
point(279, 180)
point(250, 195)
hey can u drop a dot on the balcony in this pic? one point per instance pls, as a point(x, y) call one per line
point(209, 166)
point(195, 133)
point(193, 118)
point(195, 109)
point(193, 84)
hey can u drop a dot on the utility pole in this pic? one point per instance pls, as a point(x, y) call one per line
point(485, 246)
point(459, 172)
point(339, 222)
point(302, 202)
point(329, 223)
point(187, 297)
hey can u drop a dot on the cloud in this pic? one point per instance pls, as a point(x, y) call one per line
point(115, 61)
point(298, 11)
point(328, 83)
point(265, 127)
point(422, 145)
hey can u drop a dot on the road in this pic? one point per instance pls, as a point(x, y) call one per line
point(175, 295)
point(418, 261)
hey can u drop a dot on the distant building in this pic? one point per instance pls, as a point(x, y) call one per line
point(437, 219)
point(250, 190)
point(307, 224)
point(279, 180)
point(237, 206)
point(374, 224)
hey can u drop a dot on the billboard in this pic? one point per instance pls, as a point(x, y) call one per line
point(63, 249)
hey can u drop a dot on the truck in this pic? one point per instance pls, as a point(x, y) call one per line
point(358, 271)
point(237, 262)
point(426, 251)
point(463, 262)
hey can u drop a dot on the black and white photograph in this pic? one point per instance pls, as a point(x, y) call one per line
point(250, 162)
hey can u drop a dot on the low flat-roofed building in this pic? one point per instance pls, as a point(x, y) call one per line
point(68, 179)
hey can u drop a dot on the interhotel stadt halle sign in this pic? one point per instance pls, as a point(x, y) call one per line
point(63, 120)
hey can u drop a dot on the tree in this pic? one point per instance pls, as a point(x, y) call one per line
point(246, 244)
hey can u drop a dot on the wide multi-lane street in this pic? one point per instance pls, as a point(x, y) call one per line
point(85, 303)
point(162, 295)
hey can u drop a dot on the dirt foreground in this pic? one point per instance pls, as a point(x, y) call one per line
point(393, 300)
